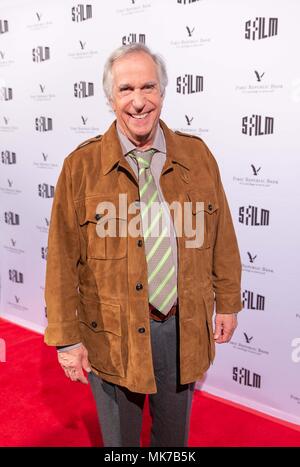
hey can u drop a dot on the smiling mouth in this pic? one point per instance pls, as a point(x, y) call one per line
point(140, 116)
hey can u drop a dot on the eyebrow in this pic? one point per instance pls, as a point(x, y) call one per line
point(125, 86)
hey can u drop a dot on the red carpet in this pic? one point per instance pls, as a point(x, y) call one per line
point(40, 407)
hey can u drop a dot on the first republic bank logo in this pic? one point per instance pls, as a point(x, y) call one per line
point(261, 28)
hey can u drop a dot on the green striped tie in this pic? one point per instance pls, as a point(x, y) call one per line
point(162, 281)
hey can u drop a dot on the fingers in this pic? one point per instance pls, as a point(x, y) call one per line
point(79, 376)
point(226, 335)
point(73, 362)
point(86, 365)
point(218, 331)
point(75, 374)
point(225, 326)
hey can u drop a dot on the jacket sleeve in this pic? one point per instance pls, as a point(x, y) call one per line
point(226, 257)
point(61, 287)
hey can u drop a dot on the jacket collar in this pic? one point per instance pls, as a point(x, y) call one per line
point(113, 156)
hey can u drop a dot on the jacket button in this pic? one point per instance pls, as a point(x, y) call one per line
point(140, 242)
point(98, 217)
point(94, 324)
point(139, 286)
point(141, 330)
point(210, 207)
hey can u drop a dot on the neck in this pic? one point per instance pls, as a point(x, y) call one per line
point(143, 143)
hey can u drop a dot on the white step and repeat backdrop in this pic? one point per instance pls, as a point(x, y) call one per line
point(235, 81)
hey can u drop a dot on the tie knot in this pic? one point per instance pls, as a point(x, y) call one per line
point(143, 158)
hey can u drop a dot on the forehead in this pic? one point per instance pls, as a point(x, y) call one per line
point(134, 67)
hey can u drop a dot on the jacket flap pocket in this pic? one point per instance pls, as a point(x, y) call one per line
point(203, 202)
point(94, 208)
point(100, 316)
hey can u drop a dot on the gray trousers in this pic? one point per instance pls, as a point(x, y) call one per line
point(120, 410)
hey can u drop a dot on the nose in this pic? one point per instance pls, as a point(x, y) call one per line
point(138, 100)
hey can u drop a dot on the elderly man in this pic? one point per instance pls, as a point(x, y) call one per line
point(131, 283)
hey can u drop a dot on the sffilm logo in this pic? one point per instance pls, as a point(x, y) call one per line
point(16, 276)
point(83, 89)
point(189, 84)
point(81, 12)
point(246, 377)
point(11, 218)
point(256, 125)
point(43, 124)
point(6, 94)
point(45, 190)
point(134, 38)
point(250, 302)
point(40, 54)
point(3, 26)
point(250, 215)
point(261, 28)
point(8, 157)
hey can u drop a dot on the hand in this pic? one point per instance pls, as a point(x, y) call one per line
point(225, 325)
point(73, 361)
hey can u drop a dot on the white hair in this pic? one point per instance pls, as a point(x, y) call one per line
point(128, 49)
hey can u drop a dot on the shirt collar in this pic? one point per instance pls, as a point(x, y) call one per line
point(127, 146)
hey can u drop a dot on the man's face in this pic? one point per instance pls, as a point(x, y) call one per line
point(136, 97)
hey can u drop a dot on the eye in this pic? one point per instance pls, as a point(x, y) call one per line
point(124, 90)
point(149, 87)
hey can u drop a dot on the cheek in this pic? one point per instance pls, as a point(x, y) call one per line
point(158, 103)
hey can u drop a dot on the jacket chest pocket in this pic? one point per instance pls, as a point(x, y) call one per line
point(201, 220)
point(104, 229)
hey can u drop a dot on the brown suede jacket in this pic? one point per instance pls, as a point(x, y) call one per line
point(91, 293)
